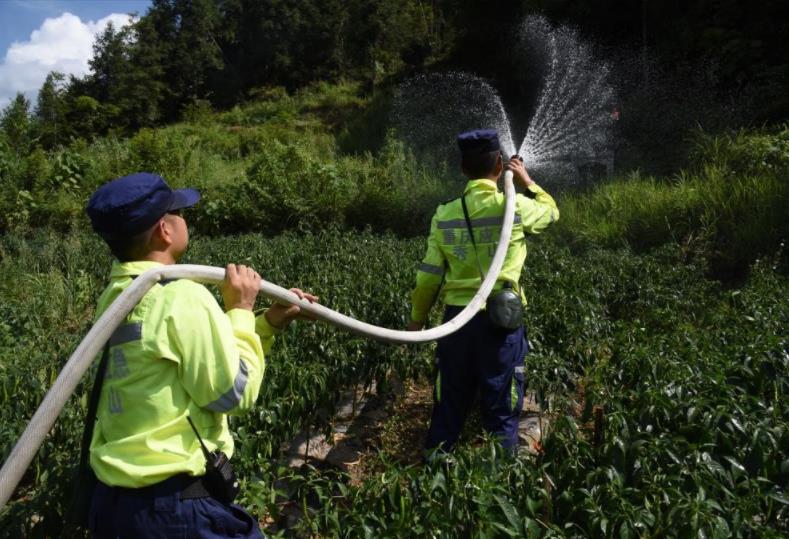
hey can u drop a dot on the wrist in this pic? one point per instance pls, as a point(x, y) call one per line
point(522, 181)
point(273, 323)
point(240, 305)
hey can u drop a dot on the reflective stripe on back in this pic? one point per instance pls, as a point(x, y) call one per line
point(481, 221)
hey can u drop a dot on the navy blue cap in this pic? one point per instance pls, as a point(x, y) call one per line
point(132, 204)
point(478, 141)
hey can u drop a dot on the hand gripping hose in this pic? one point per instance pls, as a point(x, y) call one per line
point(79, 362)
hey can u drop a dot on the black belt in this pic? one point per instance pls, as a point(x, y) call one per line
point(187, 486)
point(195, 488)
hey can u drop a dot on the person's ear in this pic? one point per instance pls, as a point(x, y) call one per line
point(163, 233)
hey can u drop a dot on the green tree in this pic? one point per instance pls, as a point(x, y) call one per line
point(293, 43)
point(188, 53)
point(86, 117)
point(125, 80)
point(99, 99)
point(109, 63)
point(145, 88)
point(282, 42)
point(17, 126)
point(388, 37)
point(50, 110)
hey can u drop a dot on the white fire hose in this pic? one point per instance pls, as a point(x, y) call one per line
point(26, 447)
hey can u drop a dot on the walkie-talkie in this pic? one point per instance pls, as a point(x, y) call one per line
point(220, 479)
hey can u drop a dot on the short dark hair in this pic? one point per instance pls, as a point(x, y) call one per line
point(130, 248)
point(480, 165)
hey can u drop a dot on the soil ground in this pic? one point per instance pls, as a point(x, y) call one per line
point(371, 428)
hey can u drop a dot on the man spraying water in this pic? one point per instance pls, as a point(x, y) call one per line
point(487, 354)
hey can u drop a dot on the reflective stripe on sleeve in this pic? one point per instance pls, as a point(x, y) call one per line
point(429, 268)
point(482, 221)
point(126, 333)
point(519, 369)
point(230, 400)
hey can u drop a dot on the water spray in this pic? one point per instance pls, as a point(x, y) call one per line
point(572, 120)
point(569, 127)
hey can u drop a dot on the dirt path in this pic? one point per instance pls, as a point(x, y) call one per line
point(370, 429)
point(393, 425)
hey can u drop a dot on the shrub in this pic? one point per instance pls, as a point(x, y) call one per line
point(730, 211)
point(394, 192)
point(745, 152)
point(198, 112)
point(148, 150)
point(68, 171)
point(294, 187)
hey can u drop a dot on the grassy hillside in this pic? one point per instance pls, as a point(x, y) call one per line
point(271, 166)
point(322, 158)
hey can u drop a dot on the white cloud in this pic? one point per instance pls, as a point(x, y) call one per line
point(62, 44)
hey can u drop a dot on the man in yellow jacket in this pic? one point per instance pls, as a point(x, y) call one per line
point(478, 358)
point(178, 356)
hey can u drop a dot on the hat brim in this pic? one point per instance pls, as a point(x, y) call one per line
point(184, 198)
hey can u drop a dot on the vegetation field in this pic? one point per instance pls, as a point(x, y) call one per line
point(691, 377)
point(657, 314)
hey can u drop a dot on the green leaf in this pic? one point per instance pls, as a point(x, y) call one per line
point(509, 511)
point(736, 465)
point(780, 498)
point(506, 530)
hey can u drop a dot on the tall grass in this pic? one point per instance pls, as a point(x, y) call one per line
point(730, 209)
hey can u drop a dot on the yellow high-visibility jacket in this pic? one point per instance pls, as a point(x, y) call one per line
point(177, 354)
point(450, 256)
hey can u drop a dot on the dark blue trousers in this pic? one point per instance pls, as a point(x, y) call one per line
point(157, 512)
point(482, 359)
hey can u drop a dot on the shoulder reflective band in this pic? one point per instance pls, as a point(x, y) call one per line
point(126, 333)
point(230, 400)
point(429, 268)
point(482, 221)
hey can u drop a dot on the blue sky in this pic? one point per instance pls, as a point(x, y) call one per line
point(38, 36)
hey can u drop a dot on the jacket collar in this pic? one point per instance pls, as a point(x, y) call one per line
point(130, 269)
point(481, 183)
